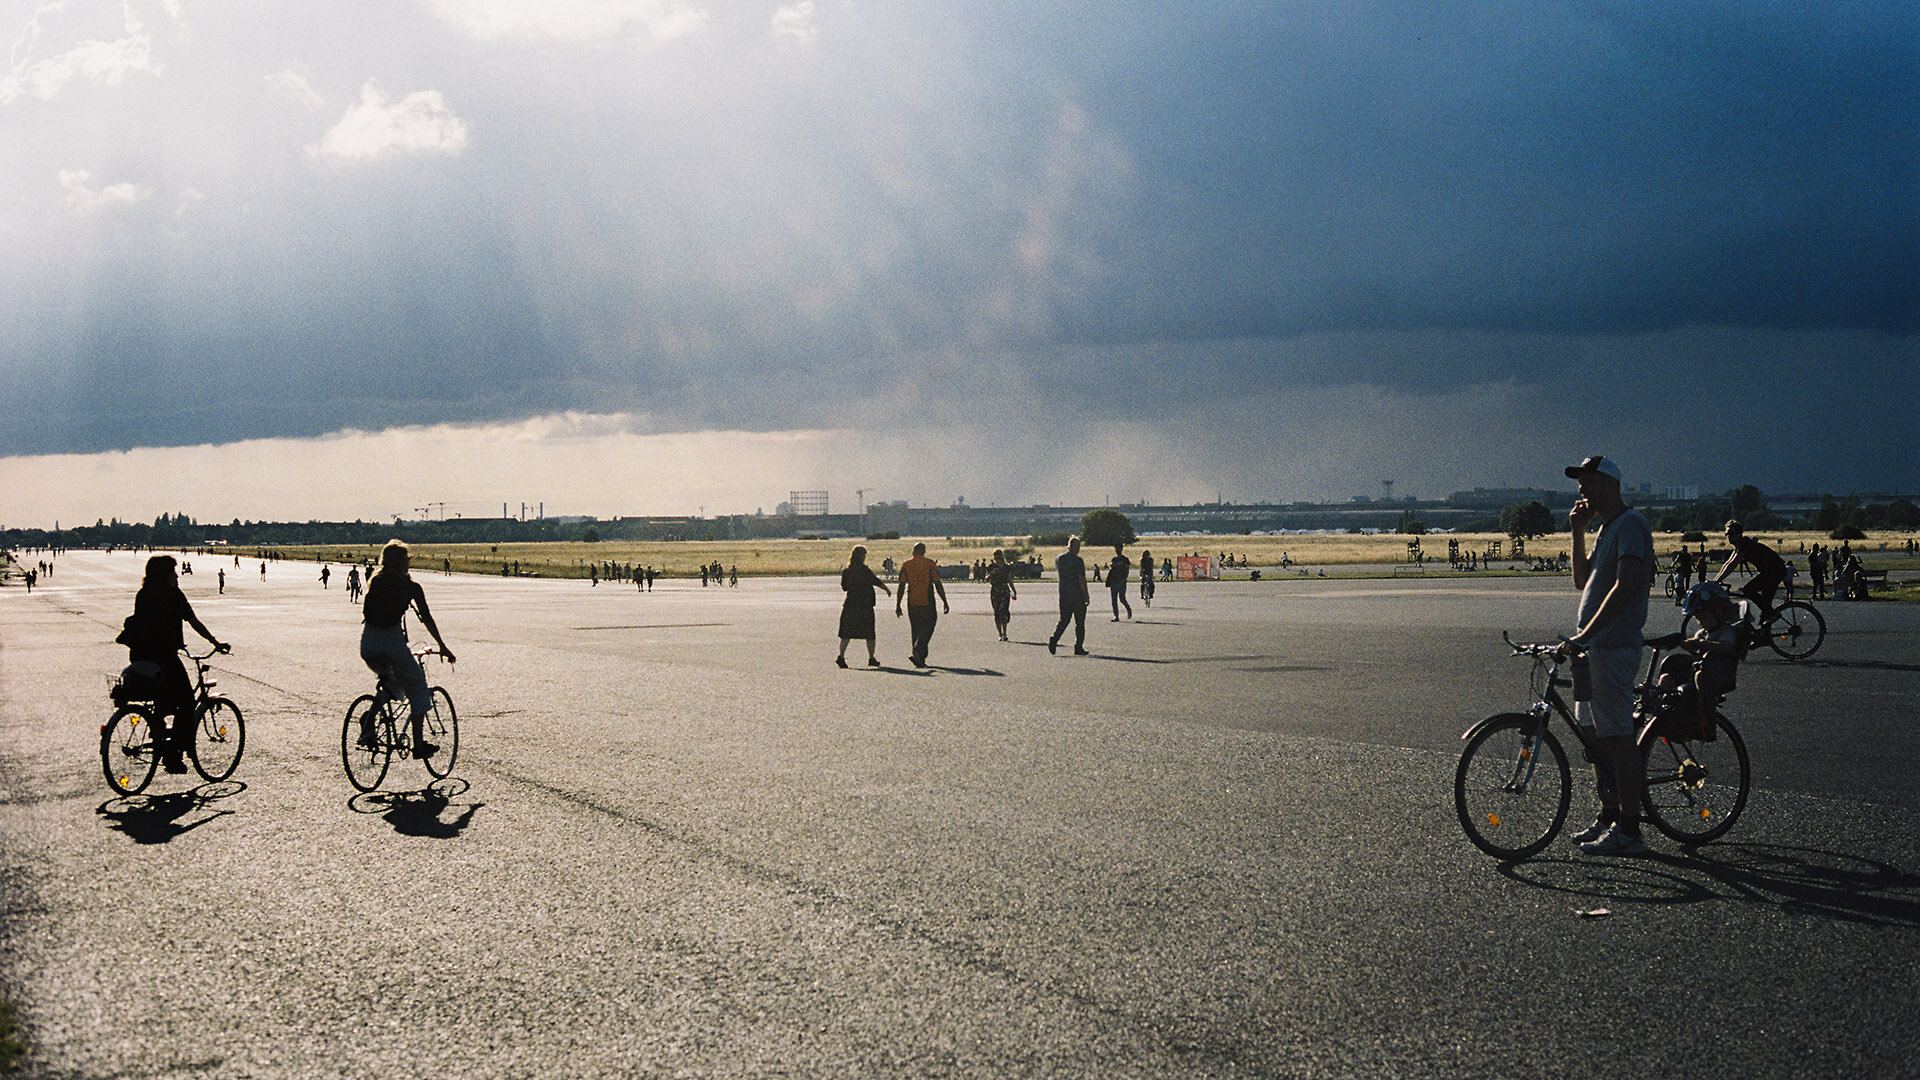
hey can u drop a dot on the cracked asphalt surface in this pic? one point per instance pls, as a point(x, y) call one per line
point(680, 842)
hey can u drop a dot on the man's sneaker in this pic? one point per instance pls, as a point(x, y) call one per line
point(1616, 841)
point(425, 750)
point(368, 741)
point(1053, 645)
point(1591, 833)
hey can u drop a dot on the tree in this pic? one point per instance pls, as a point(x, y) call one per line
point(1827, 518)
point(1410, 525)
point(1524, 521)
point(1106, 527)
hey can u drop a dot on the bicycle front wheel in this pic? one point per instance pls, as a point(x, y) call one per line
point(441, 728)
point(1512, 788)
point(1796, 630)
point(1697, 788)
point(127, 751)
point(218, 739)
point(363, 743)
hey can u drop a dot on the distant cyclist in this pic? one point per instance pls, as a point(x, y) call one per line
point(383, 639)
point(154, 635)
point(1769, 569)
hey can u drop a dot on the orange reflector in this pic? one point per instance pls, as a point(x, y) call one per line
point(1494, 820)
point(1705, 813)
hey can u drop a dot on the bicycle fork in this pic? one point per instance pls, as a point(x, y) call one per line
point(1528, 757)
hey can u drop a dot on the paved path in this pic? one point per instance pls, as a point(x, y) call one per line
point(685, 844)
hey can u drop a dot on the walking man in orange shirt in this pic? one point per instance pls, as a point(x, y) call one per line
point(919, 581)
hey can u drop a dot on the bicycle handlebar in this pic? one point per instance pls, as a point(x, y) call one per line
point(1523, 648)
point(209, 654)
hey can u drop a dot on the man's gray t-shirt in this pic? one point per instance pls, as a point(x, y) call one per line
point(1627, 536)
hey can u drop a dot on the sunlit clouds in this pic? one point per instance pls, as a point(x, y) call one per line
point(83, 197)
point(571, 20)
point(418, 123)
point(1020, 252)
point(54, 49)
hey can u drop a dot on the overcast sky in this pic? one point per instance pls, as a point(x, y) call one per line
point(652, 256)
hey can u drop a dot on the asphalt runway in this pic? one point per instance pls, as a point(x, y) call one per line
point(683, 843)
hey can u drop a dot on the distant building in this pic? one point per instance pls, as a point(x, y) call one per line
point(807, 503)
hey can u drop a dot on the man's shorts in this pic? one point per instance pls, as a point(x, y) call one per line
point(1610, 713)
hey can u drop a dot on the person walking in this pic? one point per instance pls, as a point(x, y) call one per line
point(1612, 580)
point(1072, 570)
point(1119, 573)
point(919, 581)
point(856, 612)
point(1000, 591)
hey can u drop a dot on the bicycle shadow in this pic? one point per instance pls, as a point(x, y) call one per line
point(157, 819)
point(422, 813)
point(1794, 880)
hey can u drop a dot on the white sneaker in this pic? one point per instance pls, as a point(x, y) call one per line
point(1616, 842)
point(1591, 833)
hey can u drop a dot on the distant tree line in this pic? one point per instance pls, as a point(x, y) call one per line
point(1747, 504)
point(1100, 528)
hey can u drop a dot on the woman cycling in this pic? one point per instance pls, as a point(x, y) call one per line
point(383, 639)
point(155, 637)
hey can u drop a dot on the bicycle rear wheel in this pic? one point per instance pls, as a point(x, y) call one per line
point(218, 739)
point(1697, 788)
point(127, 751)
point(1512, 788)
point(442, 729)
point(1797, 630)
point(364, 746)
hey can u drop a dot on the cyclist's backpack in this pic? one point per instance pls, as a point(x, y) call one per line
point(139, 681)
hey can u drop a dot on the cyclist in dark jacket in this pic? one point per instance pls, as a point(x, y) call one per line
point(1769, 569)
point(159, 609)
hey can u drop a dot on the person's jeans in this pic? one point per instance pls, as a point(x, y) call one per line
point(385, 650)
point(921, 618)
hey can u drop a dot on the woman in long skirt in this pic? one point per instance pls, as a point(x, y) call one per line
point(856, 613)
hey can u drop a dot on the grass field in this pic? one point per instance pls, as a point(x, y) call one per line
point(1340, 554)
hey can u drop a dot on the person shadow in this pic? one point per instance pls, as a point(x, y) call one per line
point(157, 819)
point(430, 812)
point(1839, 886)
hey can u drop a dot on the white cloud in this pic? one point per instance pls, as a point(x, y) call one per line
point(296, 86)
point(82, 199)
point(572, 20)
point(418, 123)
point(797, 23)
point(103, 62)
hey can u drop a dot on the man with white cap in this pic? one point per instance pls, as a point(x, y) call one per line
point(1612, 580)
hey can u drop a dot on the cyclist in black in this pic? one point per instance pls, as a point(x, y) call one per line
point(154, 635)
point(1769, 569)
point(383, 639)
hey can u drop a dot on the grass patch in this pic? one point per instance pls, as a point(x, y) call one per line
point(13, 1037)
point(787, 558)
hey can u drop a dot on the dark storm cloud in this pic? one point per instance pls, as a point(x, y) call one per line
point(1104, 207)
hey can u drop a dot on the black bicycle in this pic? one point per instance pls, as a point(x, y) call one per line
point(131, 738)
point(1794, 629)
point(376, 730)
point(1514, 784)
